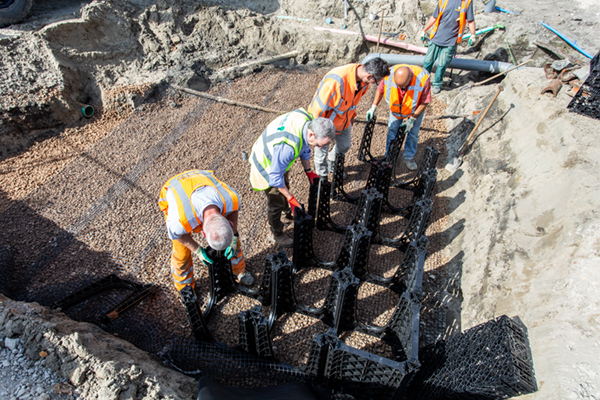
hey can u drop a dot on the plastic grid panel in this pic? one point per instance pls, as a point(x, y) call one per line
point(587, 99)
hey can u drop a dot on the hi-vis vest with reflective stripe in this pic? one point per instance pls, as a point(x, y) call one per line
point(286, 128)
point(412, 95)
point(462, 18)
point(184, 184)
point(337, 97)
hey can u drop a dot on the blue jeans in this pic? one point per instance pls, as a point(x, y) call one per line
point(412, 138)
point(443, 55)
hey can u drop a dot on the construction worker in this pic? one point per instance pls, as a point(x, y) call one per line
point(196, 201)
point(285, 139)
point(336, 99)
point(448, 22)
point(408, 92)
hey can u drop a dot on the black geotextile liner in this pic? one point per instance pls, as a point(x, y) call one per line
point(210, 390)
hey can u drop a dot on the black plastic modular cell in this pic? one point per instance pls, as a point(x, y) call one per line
point(587, 99)
point(340, 302)
point(197, 321)
point(323, 217)
point(337, 185)
point(111, 282)
point(282, 297)
point(417, 224)
point(428, 162)
point(489, 361)
point(423, 187)
point(345, 369)
point(221, 282)
point(380, 176)
point(355, 251)
point(253, 333)
point(368, 210)
point(408, 277)
point(364, 151)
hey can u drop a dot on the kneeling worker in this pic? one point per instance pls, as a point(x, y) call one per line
point(285, 139)
point(196, 201)
point(408, 92)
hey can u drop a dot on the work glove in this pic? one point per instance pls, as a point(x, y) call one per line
point(371, 112)
point(311, 176)
point(294, 204)
point(201, 253)
point(231, 250)
point(408, 123)
point(471, 40)
point(422, 37)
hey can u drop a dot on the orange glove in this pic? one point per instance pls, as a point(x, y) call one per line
point(311, 176)
point(293, 204)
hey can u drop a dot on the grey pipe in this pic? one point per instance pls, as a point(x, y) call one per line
point(494, 67)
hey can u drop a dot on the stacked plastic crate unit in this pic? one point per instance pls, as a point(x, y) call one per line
point(587, 99)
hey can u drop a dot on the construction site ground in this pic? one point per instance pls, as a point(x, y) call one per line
point(514, 231)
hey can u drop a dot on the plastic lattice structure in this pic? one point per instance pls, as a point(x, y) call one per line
point(417, 224)
point(364, 151)
point(349, 370)
point(337, 185)
point(281, 290)
point(197, 321)
point(489, 361)
point(587, 99)
point(137, 293)
point(428, 162)
point(340, 302)
point(253, 333)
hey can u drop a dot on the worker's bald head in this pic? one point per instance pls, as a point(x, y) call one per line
point(402, 76)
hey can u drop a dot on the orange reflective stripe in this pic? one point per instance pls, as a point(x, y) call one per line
point(462, 19)
point(441, 8)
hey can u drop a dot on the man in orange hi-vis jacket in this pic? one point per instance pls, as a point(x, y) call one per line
point(336, 99)
point(196, 201)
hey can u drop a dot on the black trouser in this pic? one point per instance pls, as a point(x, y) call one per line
point(276, 204)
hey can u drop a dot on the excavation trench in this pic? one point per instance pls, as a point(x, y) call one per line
point(98, 216)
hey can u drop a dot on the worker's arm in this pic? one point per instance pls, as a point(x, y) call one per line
point(420, 109)
point(233, 218)
point(305, 164)
point(429, 23)
point(377, 99)
point(285, 191)
point(472, 28)
point(188, 242)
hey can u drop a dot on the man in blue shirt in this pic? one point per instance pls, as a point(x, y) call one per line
point(285, 139)
point(448, 22)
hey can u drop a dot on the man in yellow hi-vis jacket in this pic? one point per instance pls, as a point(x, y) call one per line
point(196, 201)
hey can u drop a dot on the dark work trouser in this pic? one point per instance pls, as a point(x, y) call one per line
point(276, 204)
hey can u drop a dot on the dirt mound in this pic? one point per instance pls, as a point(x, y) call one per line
point(98, 364)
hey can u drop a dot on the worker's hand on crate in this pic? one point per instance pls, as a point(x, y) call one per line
point(201, 253)
point(311, 176)
point(294, 204)
point(230, 251)
point(408, 123)
point(371, 112)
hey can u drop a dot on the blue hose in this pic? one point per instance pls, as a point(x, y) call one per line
point(572, 44)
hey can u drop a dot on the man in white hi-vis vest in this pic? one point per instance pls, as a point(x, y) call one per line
point(286, 139)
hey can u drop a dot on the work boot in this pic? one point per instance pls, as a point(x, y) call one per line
point(287, 218)
point(245, 278)
point(410, 163)
point(282, 239)
point(436, 90)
